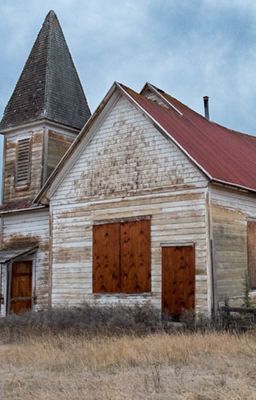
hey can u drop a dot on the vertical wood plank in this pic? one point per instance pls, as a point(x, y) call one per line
point(135, 256)
point(178, 279)
point(106, 258)
point(251, 245)
point(21, 287)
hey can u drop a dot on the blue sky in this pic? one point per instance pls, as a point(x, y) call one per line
point(190, 48)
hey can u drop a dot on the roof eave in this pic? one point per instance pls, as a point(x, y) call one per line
point(233, 185)
point(17, 210)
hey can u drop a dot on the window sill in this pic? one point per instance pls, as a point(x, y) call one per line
point(22, 187)
point(123, 295)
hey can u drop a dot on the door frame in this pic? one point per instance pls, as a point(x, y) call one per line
point(178, 243)
point(9, 280)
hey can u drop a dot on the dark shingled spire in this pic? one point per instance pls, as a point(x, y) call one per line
point(49, 86)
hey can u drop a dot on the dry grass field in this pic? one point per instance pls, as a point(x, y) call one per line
point(159, 366)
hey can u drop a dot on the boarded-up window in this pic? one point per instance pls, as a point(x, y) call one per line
point(57, 147)
point(122, 257)
point(23, 162)
point(251, 241)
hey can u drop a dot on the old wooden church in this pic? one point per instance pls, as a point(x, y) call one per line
point(152, 202)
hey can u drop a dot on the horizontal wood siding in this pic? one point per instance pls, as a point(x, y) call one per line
point(25, 229)
point(230, 211)
point(127, 156)
point(127, 170)
point(172, 222)
point(11, 192)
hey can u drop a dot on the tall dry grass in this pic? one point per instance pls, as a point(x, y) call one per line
point(160, 366)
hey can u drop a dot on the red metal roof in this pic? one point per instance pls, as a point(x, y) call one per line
point(223, 154)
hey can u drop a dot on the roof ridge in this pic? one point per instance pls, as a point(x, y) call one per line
point(50, 14)
point(202, 116)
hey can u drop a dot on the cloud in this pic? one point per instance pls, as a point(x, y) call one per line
point(189, 48)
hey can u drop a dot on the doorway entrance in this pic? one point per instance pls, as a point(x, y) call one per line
point(178, 279)
point(21, 287)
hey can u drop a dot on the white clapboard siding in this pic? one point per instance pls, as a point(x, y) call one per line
point(25, 173)
point(127, 155)
point(31, 227)
point(128, 169)
point(230, 210)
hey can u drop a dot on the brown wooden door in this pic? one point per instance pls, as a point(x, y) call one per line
point(178, 279)
point(21, 287)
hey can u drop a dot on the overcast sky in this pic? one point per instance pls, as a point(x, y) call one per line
point(189, 48)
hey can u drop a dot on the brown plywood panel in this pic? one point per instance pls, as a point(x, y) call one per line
point(251, 242)
point(178, 279)
point(21, 287)
point(106, 258)
point(135, 257)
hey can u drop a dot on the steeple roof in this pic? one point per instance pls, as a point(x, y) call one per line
point(49, 86)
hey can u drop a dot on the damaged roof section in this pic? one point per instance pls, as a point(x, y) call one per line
point(22, 204)
point(49, 86)
point(11, 254)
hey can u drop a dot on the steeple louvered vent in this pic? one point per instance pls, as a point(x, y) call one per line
point(23, 162)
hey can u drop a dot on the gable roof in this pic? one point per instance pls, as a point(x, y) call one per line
point(223, 155)
point(49, 86)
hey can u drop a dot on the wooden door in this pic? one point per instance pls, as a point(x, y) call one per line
point(178, 279)
point(21, 287)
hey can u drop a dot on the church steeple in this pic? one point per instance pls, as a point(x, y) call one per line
point(49, 87)
point(43, 116)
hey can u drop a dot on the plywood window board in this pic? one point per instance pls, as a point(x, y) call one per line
point(122, 257)
point(251, 249)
